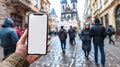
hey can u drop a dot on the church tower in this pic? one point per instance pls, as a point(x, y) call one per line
point(74, 9)
point(63, 8)
point(69, 13)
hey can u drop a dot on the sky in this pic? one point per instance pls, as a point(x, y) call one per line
point(57, 6)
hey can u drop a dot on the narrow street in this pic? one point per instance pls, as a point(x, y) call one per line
point(55, 58)
point(74, 56)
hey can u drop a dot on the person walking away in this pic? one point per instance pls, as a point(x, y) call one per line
point(71, 32)
point(111, 32)
point(8, 37)
point(86, 40)
point(99, 34)
point(63, 37)
point(19, 32)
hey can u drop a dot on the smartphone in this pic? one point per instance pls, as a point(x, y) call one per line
point(37, 33)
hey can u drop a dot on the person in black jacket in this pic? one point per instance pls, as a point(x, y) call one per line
point(86, 40)
point(63, 37)
point(111, 32)
point(99, 34)
point(72, 32)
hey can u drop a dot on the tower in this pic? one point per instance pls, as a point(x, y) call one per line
point(53, 23)
point(74, 9)
point(69, 13)
point(63, 8)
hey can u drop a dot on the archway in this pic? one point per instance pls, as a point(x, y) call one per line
point(117, 14)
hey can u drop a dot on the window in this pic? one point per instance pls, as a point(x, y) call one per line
point(29, 0)
point(35, 3)
point(68, 17)
point(101, 20)
point(17, 20)
point(106, 20)
point(63, 7)
point(73, 6)
point(41, 6)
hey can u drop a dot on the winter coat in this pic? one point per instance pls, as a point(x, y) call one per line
point(86, 39)
point(8, 37)
point(19, 32)
point(14, 60)
point(62, 34)
point(71, 33)
point(98, 33)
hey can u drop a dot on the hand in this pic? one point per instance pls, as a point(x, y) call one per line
point(22, 49)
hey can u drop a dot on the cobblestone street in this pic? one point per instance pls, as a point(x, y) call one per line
point(74, 56)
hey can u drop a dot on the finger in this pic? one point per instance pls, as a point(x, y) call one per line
point(48, 45)
point(48, 51)
point(49, 37)
point(23, 37)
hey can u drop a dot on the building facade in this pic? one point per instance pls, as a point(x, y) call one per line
point(18, 10)
point(108, 11)
point(45, 6)
point(69, 14)
point(87, 12)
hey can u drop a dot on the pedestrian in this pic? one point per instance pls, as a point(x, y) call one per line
point(8, 37)
point(63, 37)
point(19, 32)
point(72, 33)
point(86, 40)
point(111, 32)
point(20, 58)
point(99, 34)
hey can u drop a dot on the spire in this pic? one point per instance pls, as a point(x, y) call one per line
point(73, 1)
point(63, 1)
point(53, 12)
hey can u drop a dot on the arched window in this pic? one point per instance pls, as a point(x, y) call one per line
point(118, 20)
point(63, 7)
point(68, 17)
point(74, 6)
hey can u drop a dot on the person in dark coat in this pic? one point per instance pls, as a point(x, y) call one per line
point(72, 33)
point(86, 40)
point(8, 37)
point(99, 34)
point(63, 37)
point(111, 32)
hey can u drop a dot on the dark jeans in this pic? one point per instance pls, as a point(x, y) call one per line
point(111, 40)
point(72, 40)
point(86, 53)
point(63, 44)
point(101, 47)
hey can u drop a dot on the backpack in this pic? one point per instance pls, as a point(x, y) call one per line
point(112, 30)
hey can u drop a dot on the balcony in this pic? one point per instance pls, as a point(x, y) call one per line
point(21, 3)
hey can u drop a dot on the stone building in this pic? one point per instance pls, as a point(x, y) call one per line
point(69, 14)
point(108, 11)
point(45, 6)
point(17, 10)
point(87, 12)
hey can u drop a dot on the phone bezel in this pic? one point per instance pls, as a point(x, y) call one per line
point(46, 33)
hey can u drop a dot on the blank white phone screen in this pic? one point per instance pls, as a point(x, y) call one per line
point(37, 34)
